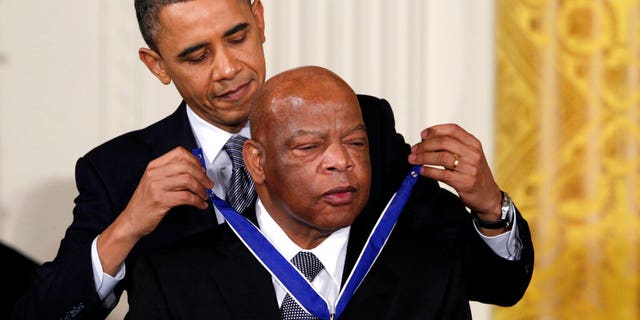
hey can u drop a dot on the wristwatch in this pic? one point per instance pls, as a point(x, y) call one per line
point(506, 215)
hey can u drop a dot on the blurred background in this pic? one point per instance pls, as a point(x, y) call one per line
point(551, 88)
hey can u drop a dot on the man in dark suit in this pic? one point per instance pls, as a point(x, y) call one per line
point(145, 190)
point(311, 170)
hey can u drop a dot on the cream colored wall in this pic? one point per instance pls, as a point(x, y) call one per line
point(70, 79)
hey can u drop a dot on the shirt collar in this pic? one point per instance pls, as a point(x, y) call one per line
point(325, 251)
point(209, 137)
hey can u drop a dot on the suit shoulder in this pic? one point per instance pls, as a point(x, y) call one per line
point(143, 141)
point(376, 112)
point(121, 144)
point(132, 139)
point(374, 103)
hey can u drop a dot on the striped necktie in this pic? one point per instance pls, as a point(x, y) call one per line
point(310, 266)
point(241, 192)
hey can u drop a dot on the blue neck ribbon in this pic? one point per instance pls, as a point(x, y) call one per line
point(295, 283)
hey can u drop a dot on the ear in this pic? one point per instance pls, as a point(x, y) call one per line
point(258, 13)
point(253, 154)
point(155, 64)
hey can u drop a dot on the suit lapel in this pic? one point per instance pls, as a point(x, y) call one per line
point(360, 230)
point(243, 282)
point(173, 132)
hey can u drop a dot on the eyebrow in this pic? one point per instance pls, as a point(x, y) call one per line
point(235, 29)
point(191, 49)
point(299, 133)
point(358, 127)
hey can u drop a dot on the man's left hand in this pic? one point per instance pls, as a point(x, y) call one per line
point(450, 154)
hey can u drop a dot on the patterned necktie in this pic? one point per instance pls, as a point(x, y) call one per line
point(241, 191)
point(310, 266)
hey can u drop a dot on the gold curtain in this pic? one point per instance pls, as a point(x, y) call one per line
point(568, 149)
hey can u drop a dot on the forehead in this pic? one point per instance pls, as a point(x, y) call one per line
point(295, 113)
point(201, 18)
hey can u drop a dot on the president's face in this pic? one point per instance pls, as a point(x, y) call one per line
point(317, 167)
point(212, 51)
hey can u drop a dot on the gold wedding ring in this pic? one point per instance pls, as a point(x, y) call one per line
point(456, 161)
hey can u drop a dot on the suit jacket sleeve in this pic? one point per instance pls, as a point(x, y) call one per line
point(64, 287)
point(488, 277)
point(492, 279)
point(106, 177)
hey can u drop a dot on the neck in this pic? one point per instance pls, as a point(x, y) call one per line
point(234, 128)
point(305, 238)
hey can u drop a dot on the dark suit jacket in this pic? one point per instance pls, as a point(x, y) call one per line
point(17, 270)
point(419, 275)
point(107, 176)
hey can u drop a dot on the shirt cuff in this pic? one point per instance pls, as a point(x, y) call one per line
point(104, 282)
point(506, 245)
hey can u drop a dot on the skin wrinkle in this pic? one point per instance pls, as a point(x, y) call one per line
point(309, 149)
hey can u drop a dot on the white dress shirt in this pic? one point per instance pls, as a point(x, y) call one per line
point(507, 245)
point(331, 252)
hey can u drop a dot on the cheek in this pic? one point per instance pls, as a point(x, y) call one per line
point(300, 180)
point(363, 172)
point(298, 186)
point(253, 57)
point(363, 164)
point(195, 83)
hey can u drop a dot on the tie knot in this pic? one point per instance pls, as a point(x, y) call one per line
point(308, 264)
point(233, 147)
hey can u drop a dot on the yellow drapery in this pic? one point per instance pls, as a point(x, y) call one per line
point(568, 151)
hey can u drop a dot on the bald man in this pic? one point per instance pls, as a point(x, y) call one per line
point(309, 160)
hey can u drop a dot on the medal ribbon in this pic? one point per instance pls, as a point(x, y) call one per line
point(290, 277)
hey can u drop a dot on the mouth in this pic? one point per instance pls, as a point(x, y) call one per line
point(339, 196)
point(235, 93)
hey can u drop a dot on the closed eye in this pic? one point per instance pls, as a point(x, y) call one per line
point(239, 39)
point(307, 147)
point(199, 58)
point(357, 142)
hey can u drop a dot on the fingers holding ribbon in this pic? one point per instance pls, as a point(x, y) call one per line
point(441, 150)
point(173, 179)
point(451, 155)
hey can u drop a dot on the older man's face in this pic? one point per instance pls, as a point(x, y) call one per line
point(317, 167)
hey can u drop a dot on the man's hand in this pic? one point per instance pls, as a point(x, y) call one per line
point(465, 167)
point(176, 178)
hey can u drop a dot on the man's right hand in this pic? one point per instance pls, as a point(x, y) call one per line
point(174, 179)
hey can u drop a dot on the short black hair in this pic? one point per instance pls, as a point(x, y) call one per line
point(147, 15)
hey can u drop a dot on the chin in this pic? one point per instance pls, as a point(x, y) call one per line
point(338, 224)
point(236, 122)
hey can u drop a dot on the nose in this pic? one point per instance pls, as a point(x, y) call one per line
point(336, 160)
point(226, 65)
